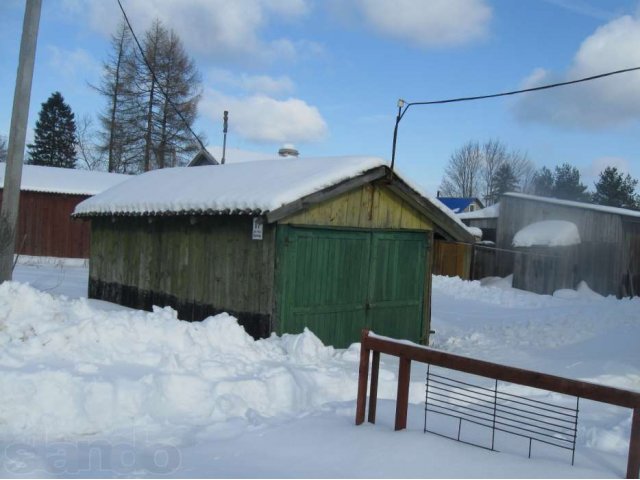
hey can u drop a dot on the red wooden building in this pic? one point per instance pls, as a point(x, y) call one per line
point(48, 196)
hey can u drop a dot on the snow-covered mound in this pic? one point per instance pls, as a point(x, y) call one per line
point(548, 233)
point(69, 368)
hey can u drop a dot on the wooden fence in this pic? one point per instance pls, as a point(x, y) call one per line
point(406, 353)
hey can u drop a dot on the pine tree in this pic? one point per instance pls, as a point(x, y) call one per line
point(55, 139)
point(505, 181)
point(614, 190)
point(543, 183)
point(567, 185)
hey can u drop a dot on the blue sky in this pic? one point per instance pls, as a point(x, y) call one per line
point(326, 75)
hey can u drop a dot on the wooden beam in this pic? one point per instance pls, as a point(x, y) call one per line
point(326, 194)
point(373, 393)
point(363, 379)
point(402, 398)
point(633, 461)
point(529, 378)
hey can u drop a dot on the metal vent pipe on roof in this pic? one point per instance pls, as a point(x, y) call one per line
point(288, 150)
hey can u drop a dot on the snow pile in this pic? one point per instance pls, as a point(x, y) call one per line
point(93, 371)
point(548, 233)
point(69, 368)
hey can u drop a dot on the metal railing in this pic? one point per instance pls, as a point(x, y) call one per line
point(502, 406)
point(500, 411)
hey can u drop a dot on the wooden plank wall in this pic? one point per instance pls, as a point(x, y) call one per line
point(601, 256)
point(632, 260)
point(451, 259)
point(370, 206)
point(197, 265)
point(45, 226)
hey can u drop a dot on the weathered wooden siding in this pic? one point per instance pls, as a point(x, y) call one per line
point(451, 259)
point(45, 226)
point(370, 206)
point(199, 265)
point(631, 286)
point(600, 259)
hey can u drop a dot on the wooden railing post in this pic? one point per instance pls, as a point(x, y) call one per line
point(373, 393)
point(633, 462)
point(402, 399)
point(363, 378)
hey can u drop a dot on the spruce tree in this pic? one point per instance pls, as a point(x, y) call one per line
point(567, 185)
point(614, 190)
point(543, 182)
point(505, 181)
point(54, 143)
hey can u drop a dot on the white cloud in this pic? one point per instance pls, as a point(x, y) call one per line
point(600, 163)
point(261, 118)
point(600, 103)
point(252, 83)
point(430, 23)
point(73, 64)
point(214, 28)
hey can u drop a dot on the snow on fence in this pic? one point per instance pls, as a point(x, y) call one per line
point(407, 352)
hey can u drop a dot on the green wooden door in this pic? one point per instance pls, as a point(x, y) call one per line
point(337, 282)
point(396, 284)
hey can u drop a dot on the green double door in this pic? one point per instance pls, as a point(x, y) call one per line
point(337, 282)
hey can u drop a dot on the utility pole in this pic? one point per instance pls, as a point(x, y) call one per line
point(17, 136)
point(225, 125)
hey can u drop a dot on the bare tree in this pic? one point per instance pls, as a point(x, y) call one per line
point(472, 171)
point(463, 172)
point(494, 155)
point(90, 155)
point(120, 139)
point(523, 169)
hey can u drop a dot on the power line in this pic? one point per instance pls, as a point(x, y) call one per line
point(404, 106)
point(155, 78)
point(515, 92)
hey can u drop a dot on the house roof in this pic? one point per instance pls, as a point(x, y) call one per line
point(69, 181)
point(492, 211)
point(273, 187)
point(458, 204)
point(567, 203)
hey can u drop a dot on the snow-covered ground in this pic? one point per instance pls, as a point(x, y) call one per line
point(93, 389)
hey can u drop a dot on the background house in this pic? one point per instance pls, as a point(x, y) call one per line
point(333, 244)
point(48, 197)
point(462, 204)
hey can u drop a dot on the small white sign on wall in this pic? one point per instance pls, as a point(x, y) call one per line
point(256, 234)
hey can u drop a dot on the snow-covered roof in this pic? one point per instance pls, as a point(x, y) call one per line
point(246, 187)
point(548, 233)
point(568, 203)
point(491, 211)
point(70, 181)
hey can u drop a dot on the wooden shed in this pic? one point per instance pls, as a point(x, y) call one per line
point(332, 244)
point(607, 257)
point(48, 197)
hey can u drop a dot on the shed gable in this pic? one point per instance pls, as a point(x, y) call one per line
point(370, 206)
